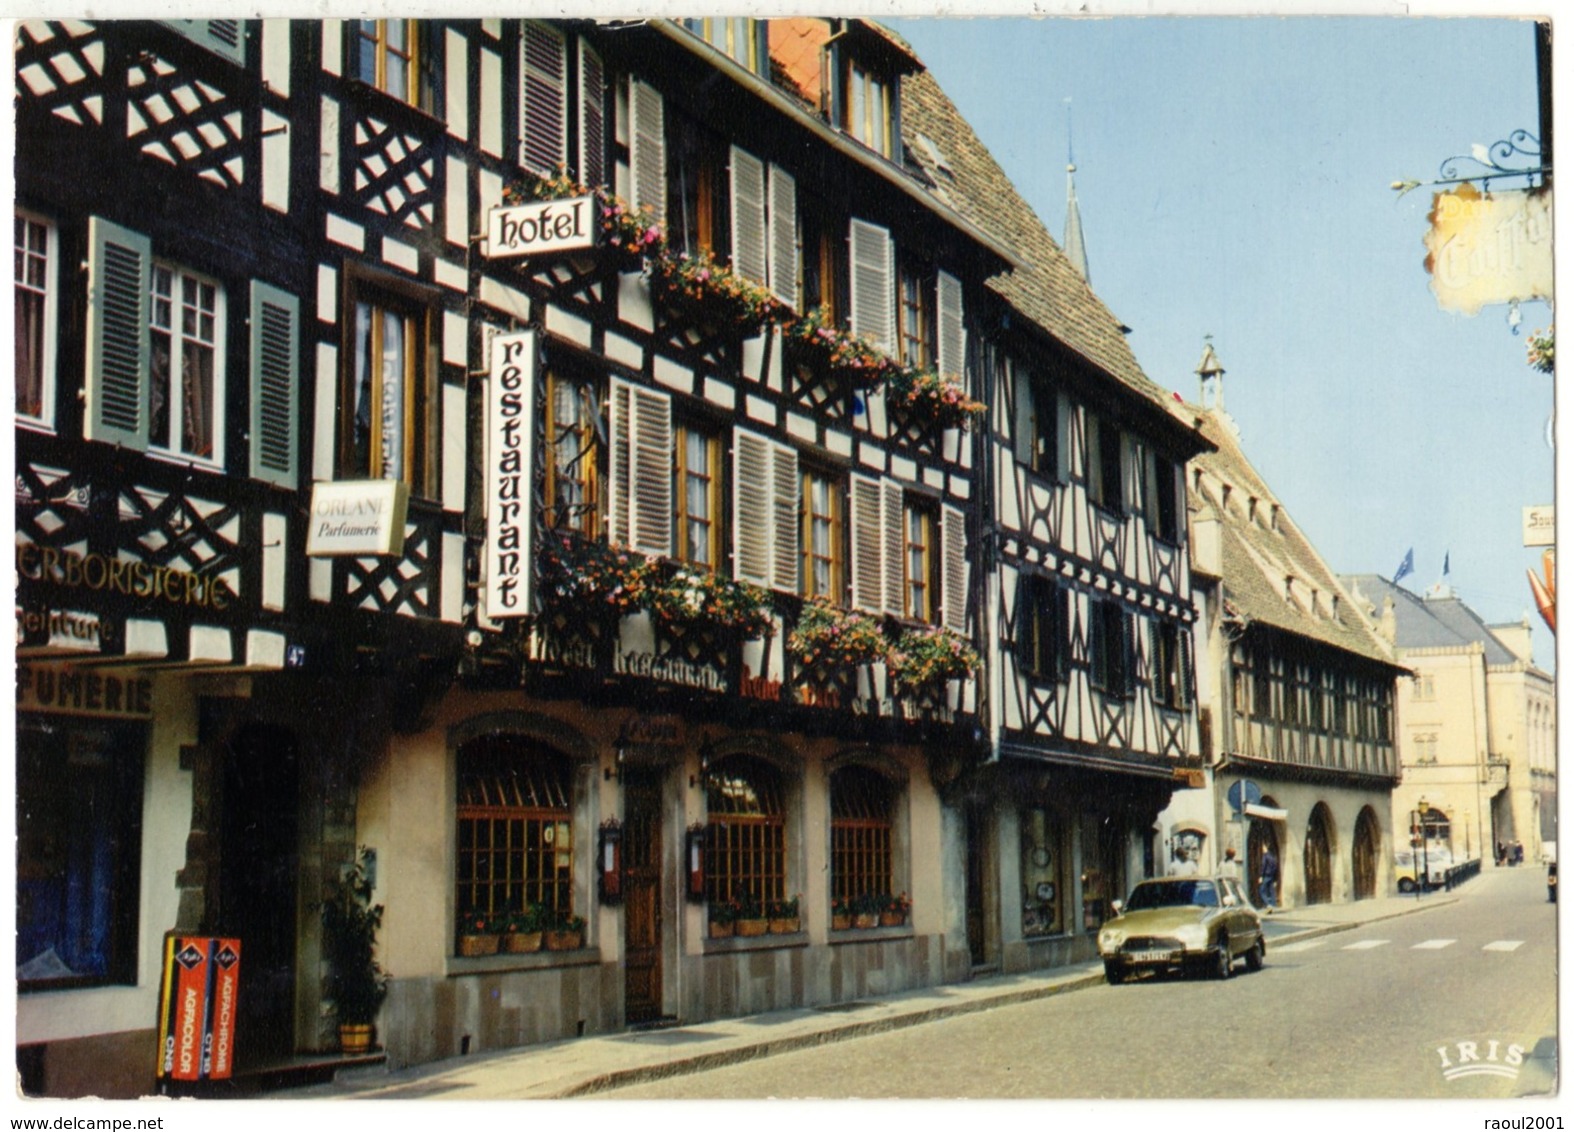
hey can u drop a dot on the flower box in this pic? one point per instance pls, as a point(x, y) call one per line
point(866, 920)
point(752, 927)
point(720, 930)
point(892, 919)
point(841, 923)
point(521, 943)
point(785, 925)
point(565, 940)
point(474, 946)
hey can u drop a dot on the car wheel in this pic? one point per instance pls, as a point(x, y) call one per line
point(1255, 957)
point(1114, 973)
point(1406, 885)
point(1223, 964)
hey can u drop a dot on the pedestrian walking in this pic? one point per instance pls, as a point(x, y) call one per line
point(1229, 867)
point(1519, 853)
point(1502, 854)
point(1268, 880)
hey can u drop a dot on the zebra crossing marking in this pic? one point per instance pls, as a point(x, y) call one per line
point(1504, 945)
point(1433, 944)
point(1364, 945)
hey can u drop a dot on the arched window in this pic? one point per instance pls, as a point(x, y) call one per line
point(516, 833)
point(746, 841)
point(862, 802)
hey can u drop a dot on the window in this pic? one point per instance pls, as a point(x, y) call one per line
point(1165, 483)
point(1036, 427)
point(1104, 463)
point(917, 315)
point(1043, 628)
point(395, 57)
point(1425, 687)
point(743, 40)
point(1169, 663)
point(745, 834)
point(824, 265)
point(1110, 649)
point(573, 490)
point(698, 206)
point(391, 431)
point(822, 536)
point(863, 803)
point(185, 406)
point(697, 493)
point(919, 561)
point(1426, 748)
point(78, 851)
point(1043, 882)
point(36, 292)
point(516, 829)
point(868, 108)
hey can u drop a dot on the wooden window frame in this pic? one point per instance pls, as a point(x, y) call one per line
point(916, 315)
point(712, 478)
point(698, 182)
point(836, 521)
point(422, 87)
point(172, 444)
point(868, 94)
point(526, 796)
point(47, 293)
point(927, 515)
point(1043, 646)
point(863, 804)
point(588, 519)
point(1109, 648)
point(1105, 475)
point(745, 831)
point(421, 400)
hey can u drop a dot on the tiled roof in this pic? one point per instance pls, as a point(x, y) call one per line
point(1261, 548)
point(1430, 623)
point(1047, 289)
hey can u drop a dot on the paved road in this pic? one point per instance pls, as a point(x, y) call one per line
point(1363, 1013)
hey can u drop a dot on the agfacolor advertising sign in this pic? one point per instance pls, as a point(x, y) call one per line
point(197, 1008)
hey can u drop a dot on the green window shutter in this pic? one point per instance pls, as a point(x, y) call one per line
point(117, 334)
point(222, 37)
point(1024, 426)
point(275, 385)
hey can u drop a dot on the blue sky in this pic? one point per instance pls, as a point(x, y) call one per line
point(1233, 179)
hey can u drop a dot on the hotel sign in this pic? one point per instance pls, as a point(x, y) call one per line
point(540, 227)
point(1490, 249)
point(357, 517)
point(511, 428)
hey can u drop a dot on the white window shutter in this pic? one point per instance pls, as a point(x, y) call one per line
point(895, 546)
point(765, 493)
point(953, 568)
point(784, 236)
point(952, 353)
point(748, 215)
point(543, 89)
point(873, 288)
point(1024, 438)
point(639, 509)
point(117, 334)
point(592, 117)
point(868, 544)
point(222, 37)
point(751, 507)
point(648, 149)
point(275, 380)
point(786, 488)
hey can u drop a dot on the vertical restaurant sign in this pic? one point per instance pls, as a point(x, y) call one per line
point(510, 466)
point(1489, 249)
point(197, 1008)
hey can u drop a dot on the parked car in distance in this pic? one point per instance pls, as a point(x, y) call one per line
point(1190, 923)
point(1407, 863)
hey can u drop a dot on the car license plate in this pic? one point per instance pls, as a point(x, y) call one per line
point(1152, 956)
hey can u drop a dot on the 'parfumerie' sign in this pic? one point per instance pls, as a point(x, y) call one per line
point(541, 226)
point(510, 418)
point(357, 517)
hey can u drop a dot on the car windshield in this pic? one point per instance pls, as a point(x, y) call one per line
point(1174, 894)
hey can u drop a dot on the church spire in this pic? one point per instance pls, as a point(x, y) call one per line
point(1076, 250)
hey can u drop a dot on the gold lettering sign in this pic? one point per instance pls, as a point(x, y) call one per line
point(115, 575)
point(1489, 249)
point(69, 691)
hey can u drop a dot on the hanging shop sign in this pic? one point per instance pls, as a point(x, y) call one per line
point(540, 227)
point(358, 517)
point(197, 1008)
point(65, 690)
point(1540, 525)
point(511, 429)
point(1489, 249)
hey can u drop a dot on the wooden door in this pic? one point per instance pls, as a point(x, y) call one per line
point(1364, 866)
point(1319, 878)
point(977, 885)
point(641, 896)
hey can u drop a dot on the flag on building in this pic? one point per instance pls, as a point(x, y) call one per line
point(1408, 566)
point(1445, 563)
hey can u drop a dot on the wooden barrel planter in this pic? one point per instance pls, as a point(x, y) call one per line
point(355, 1038)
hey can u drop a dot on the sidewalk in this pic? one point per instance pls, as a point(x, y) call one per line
point(587, 1065)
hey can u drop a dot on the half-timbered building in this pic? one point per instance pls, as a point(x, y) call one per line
point(1088, 605)
point(1297, 694)
point(596, 559)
